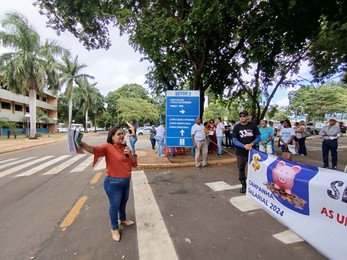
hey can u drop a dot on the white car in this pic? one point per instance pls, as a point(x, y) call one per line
point(62, 130)
point(143, 130)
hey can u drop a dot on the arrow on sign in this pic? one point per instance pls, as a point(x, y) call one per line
point(182, 132)
point(182, 111)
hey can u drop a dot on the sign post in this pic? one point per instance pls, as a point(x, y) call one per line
point(182, 107)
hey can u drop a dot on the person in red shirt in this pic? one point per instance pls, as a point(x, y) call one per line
point(119, 162)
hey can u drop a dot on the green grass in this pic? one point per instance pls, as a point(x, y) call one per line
point(3, 138)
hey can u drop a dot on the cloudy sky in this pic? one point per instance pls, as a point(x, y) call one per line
point(112, 68)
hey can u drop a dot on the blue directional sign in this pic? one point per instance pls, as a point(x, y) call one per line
point(182, 107)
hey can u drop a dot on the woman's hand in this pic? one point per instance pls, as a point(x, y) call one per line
point(127, 152)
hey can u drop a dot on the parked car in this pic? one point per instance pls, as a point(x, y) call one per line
point(342, 127)
point(315, 130)
point(143, 130)
point(62, 130)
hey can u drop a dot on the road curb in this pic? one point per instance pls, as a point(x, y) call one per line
point(186, 164)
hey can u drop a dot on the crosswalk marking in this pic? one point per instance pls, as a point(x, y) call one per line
point(23, 166)
point(288, 237)
point(42, 166)
point(8, 160)
point(83, 165)
point(101, 165)
point(64, 165)
point(16, 162)
point(244, 203)
point(150, 226)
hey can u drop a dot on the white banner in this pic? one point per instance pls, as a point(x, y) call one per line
point(309, 200)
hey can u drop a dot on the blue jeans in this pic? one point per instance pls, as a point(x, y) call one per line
point(117, 190)
point(219, 144)
point(160, 145)
point(132, 141)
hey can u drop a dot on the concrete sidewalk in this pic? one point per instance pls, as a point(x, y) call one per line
point(147, 158)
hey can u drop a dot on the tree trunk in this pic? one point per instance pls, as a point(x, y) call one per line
point(70, 111)
point(32, 112)
point(86, 120)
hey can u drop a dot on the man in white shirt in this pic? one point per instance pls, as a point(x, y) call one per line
point(219, 133)
point(160, 137)
point(200, 142)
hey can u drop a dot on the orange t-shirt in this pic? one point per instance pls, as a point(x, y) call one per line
point(117, 165)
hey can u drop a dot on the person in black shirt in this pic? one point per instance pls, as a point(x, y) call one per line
point(246, 136)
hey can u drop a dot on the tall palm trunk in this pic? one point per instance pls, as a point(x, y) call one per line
point(32, 111)
point(70, 110)
point(86, 118)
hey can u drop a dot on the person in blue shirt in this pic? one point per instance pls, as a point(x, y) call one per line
point(266, 136)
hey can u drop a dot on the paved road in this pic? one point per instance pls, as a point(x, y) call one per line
point(178, 214)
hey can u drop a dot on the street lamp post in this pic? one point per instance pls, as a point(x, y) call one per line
point(27, 117)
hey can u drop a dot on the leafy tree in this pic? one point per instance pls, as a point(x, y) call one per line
point(137, 109)
point(31, 65)
point(70, 73)
point(126, 91)
point(318, 101)
point(202, 44)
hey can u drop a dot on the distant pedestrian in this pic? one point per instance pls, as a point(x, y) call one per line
point(266, 137)
point(271, 124)
point(161, 138)
point(300, 129)
point(245, 136)
point(231, 127)
point(119, 162)
point(227, 135)
point(152, 134)
point(212, 137)
point(219, 133)
point(286, 136)
point(132, 135)
point(200, 142)
point(330, 134)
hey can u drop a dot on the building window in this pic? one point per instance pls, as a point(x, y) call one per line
point(27, 109)
point(18, 108)
point(44, 99)
point(5, 105)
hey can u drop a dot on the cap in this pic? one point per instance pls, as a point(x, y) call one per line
point(244, 112)
point(332, 119)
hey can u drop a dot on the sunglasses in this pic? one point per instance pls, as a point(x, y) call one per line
point(242, 116)
point(119, 134)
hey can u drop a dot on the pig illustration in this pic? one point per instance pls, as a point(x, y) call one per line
point(283, 176)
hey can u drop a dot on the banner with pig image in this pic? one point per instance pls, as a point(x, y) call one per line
point(309, 200)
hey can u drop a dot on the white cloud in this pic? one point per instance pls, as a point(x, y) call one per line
point(283, 102)
point(111, 68)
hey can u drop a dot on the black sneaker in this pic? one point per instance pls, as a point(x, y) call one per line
point(326, 166)
point(243, 189)
point(334, 167)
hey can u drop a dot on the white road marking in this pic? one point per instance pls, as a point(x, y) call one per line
point(154, 241)
point(101, 165)
point(42, 166)
point(64, 165)
point(83, 165)
point(25, 165)
point(16, 162)
point(288, 237)
point(244, 203)
point(219, 186)
point(8, 160)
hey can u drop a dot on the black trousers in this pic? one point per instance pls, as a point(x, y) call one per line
point(329, 145)
point(241, 165)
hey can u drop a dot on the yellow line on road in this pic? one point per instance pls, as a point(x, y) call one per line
point(96, 178)
point(73, 212)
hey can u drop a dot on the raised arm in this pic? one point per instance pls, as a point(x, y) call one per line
point(87, 147)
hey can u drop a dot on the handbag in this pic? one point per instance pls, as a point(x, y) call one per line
point(287, 155)
point(306, 133)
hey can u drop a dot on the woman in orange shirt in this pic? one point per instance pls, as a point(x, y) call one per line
point(119, 162)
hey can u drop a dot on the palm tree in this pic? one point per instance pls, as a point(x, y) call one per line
point(97, 105)
point(85, 94)
point(31, 65)
point(70, 73)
